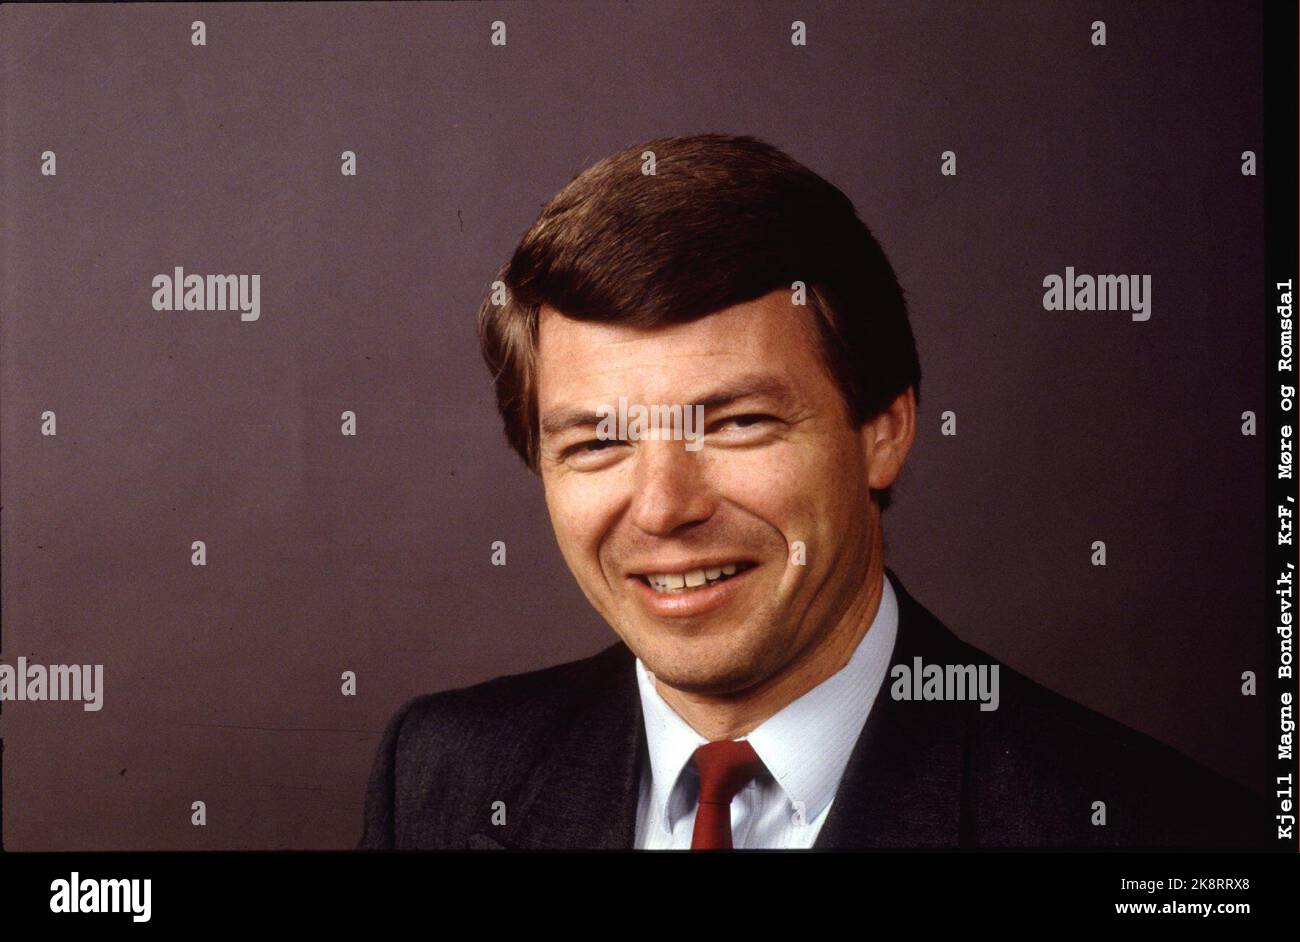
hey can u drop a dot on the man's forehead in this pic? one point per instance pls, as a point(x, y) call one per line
point(766, 330)
point(565, 334)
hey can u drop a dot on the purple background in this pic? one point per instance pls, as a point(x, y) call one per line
point(372, 553)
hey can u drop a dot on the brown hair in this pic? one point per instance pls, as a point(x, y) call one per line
point(722, 219)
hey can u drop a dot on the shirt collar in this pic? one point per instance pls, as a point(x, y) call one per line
point(805, 746)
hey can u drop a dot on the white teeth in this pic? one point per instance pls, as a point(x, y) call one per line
point(682, 581)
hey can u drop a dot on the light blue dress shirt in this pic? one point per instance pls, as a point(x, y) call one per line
point(805, 747)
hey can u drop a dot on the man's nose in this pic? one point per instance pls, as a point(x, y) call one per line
point(671, 488)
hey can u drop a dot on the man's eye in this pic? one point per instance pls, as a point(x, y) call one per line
point(589, 450)
point(747, 421)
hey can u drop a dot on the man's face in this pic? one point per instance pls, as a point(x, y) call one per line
point(780, 465)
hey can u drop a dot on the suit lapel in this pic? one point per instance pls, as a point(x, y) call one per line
point(583, 792)
point(902, 786)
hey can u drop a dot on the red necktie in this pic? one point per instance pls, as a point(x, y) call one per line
point(725, 767)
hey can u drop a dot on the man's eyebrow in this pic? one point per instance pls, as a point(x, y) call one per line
point(553, 423)
point(749, 386)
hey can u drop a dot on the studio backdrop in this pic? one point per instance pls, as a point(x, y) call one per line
point(271, 524)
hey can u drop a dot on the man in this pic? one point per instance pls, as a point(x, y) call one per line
point(750, 701)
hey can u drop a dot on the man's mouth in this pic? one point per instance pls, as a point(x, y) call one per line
point(690, 580)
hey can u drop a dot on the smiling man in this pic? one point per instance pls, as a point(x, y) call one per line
point(643, 525)
point(774, 684)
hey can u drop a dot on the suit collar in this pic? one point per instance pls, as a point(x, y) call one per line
point(902, 786)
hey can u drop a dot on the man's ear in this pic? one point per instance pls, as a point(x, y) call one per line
point(887, 439)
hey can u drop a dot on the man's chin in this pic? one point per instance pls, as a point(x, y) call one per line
point(709, 670)
point(708, 686)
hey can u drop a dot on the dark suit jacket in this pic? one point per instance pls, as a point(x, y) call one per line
point(563, 748)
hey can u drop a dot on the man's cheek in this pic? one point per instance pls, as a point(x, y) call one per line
point(579, 519)
point(808, 531)
point(777, 475)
